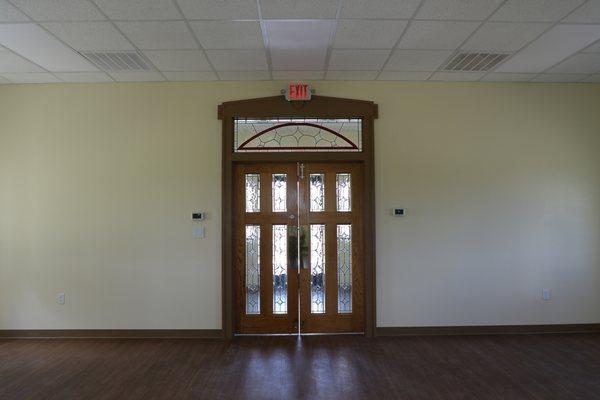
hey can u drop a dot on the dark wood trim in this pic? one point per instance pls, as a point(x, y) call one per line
point(487, 330)
point(112, 334)
point(317, 107)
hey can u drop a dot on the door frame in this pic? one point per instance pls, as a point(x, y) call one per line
point(278, 107)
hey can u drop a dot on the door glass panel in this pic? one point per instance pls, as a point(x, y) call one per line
point(252, 193)
point(317, 192)
point(280, 269)
point(252, 269)
point(344, 268)
point(317, 269)
point(343, 192)
point(279, 193)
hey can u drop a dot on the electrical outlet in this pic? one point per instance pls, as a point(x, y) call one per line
point(60, 298)
point(546, 294)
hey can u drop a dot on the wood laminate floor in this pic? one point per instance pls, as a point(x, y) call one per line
point(316, 367)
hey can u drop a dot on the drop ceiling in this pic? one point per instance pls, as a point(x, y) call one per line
point(44, 41)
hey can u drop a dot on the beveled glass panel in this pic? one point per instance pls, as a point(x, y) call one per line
point(317, 192)
point(252, 193)
point(279, 192)
point(252, 269)
point(317, 269)
point(280, 283)
point(343, 192)
point(344, 268)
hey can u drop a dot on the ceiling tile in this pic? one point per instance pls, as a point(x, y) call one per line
point(368, 34)
point(178, 60)
point(244, 75)
point(594, 78)
point(10, 62)
point(504, 36)
point(228, 34)
point(417, 60)
point(583, 63)
point(508, 77)
point(395, 9)
point(457, 76)
point(552, 47)
point(298, 75)
point(436, 35)
point(138, 76)
point(238, 60)
point(189, 76)
point(8, 13)
point(60, 10)
point(159, 35)
point(403, 76)
point(89, 35)
point(219, 9)
point(26, 77)
point(352, 75)
point(40, 47)
point(298, 45)
point(357, 60)
point(457, 9)
point(83, 77)
point(294, 9)
point(595, 48)
point(589, 13)
point(299, 59)
point(139, 9)
point(535, 10)
point(559, 78)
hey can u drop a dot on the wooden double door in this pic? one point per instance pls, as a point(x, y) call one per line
point(298, 244)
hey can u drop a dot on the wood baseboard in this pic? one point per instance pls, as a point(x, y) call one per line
point(113, 334)
point(488, 330)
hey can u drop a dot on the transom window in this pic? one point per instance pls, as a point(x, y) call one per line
point(297, 134)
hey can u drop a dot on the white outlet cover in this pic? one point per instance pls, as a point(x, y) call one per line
point(60, 298)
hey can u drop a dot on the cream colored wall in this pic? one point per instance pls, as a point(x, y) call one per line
point(501, 184)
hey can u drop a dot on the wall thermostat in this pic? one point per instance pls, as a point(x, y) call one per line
point(198, 216)
point(399, 212)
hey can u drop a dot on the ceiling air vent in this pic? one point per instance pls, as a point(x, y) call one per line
point(117, 60)
point(474, 61)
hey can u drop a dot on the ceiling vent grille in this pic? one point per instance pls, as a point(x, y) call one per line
point(474, 61)
point(117, 60)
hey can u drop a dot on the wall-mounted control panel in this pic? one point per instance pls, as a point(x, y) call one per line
point(198, 216)
point(398, 212)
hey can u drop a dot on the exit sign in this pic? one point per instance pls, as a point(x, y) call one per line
point(298, 92)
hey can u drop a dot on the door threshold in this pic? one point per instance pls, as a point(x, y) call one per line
point(301, 334)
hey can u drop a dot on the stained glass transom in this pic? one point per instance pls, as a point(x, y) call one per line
point(317, 268)
point(252, 269)
point(280, 269)
point(279, 192)
point(344, 268)
point(297, 134)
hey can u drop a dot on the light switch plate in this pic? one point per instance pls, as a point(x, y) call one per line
point(199, 232)
point(546, 294)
